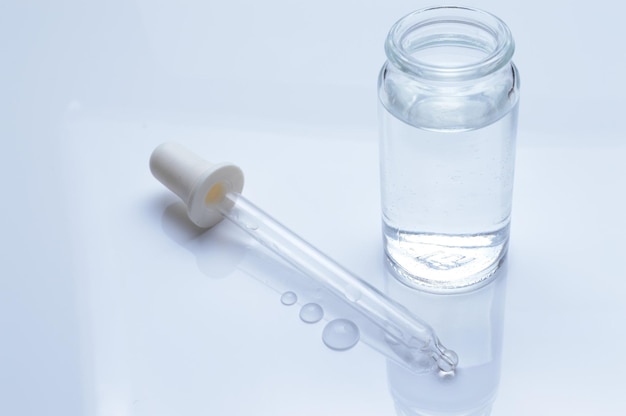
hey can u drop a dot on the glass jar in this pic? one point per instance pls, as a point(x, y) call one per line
point(448, 100)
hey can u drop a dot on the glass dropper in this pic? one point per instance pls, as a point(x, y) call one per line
point(213, 191)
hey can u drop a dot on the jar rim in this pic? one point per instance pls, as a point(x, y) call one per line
point(404, 39)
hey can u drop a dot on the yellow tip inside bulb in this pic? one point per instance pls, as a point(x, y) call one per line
point(215, 194)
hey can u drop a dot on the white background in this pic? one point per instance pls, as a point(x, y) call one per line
point(91, 319)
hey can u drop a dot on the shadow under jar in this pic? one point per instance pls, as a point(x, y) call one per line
point(448, 101)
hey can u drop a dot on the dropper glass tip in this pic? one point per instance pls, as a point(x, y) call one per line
point(447, 361)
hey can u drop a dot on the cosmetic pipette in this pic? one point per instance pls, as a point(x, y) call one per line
point(213, 192)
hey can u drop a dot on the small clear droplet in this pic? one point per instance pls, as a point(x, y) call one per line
point(311, 313)
point(289, 298)
point(341, 334)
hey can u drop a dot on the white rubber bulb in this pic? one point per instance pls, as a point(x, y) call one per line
point(200, 184)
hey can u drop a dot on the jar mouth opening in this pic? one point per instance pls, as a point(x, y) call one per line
point(449, 43)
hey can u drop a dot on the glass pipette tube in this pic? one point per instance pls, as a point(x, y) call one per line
point(399, 325)
point(213, 191)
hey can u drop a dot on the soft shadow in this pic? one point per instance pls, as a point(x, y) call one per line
point(471, 324)
point(217, 250)
point(224, 249)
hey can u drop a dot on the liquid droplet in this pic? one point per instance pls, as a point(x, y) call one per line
point(341, 334)
point(448, 361)
point(311, 313)
point(288, 298)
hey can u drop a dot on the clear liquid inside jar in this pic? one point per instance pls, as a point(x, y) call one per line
point(448, 98)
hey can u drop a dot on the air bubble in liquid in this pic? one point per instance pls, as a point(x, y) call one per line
point(289, 298)
point(251, 226)
point(311, 313)
point(352, 294)
point(341, 334)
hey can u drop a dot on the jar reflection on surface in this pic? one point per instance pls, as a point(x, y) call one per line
point(472, 325)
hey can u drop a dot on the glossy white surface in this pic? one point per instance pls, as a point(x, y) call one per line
point(112, 304)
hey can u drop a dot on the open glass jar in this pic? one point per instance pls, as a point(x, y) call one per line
point(448, 97)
